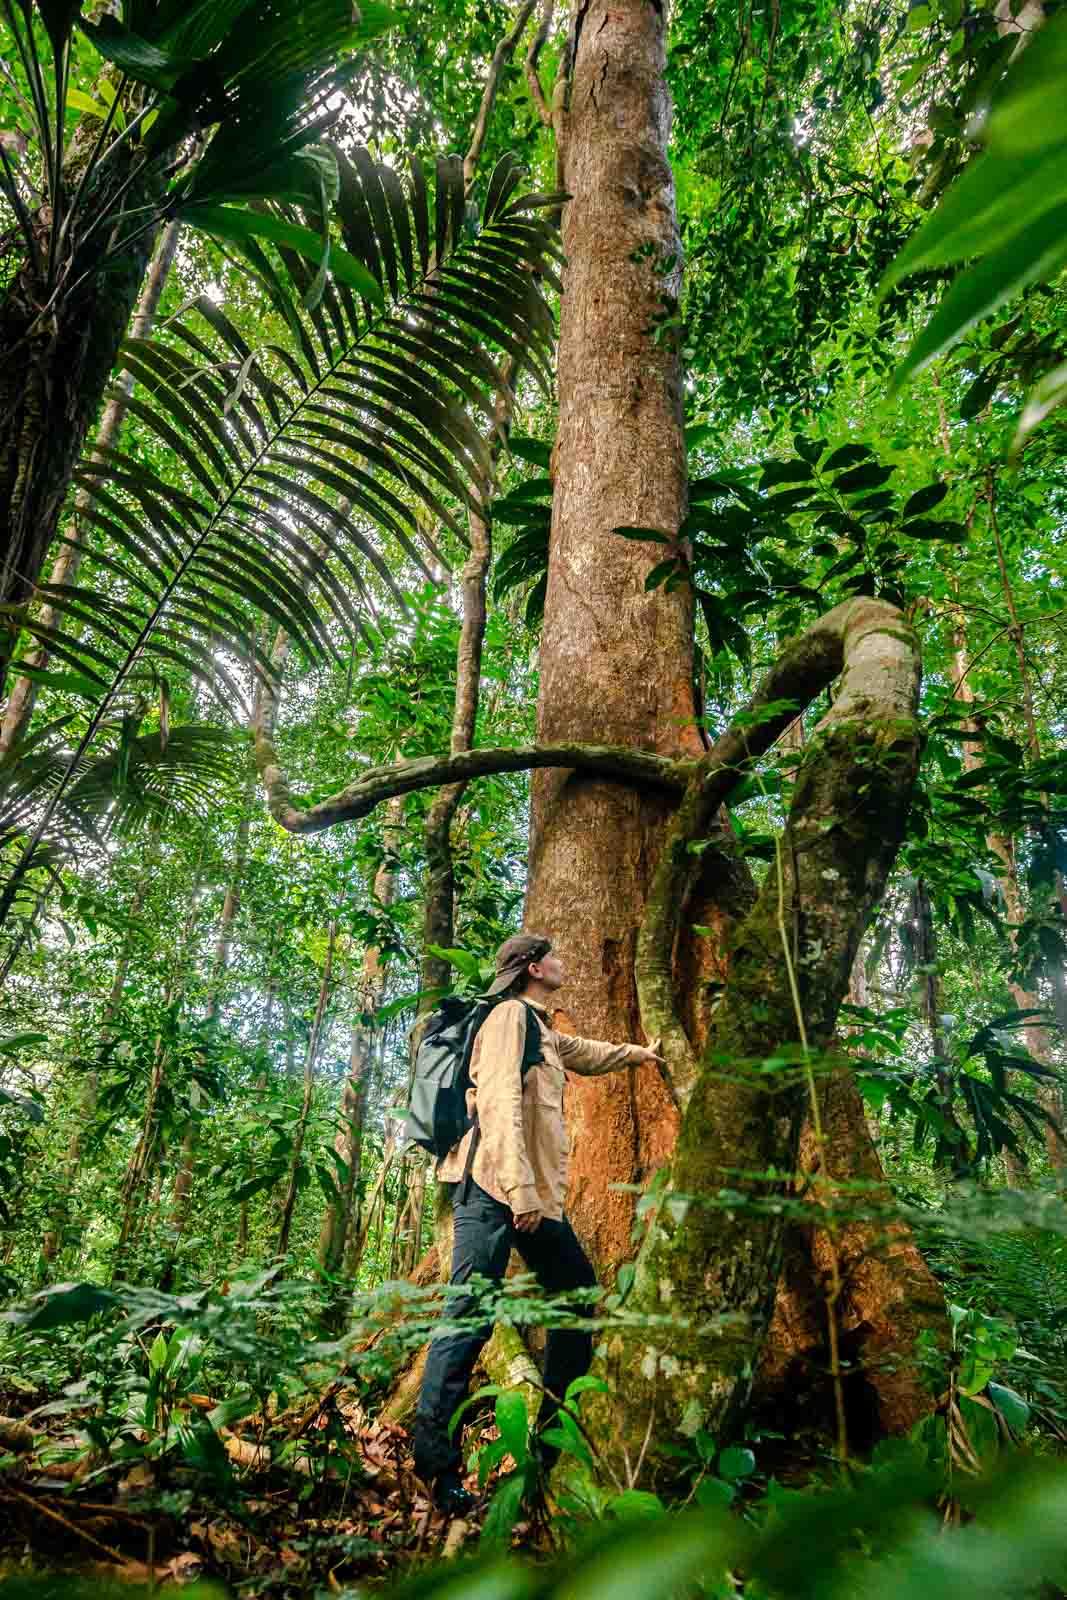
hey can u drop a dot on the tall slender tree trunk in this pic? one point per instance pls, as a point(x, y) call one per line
point(616, 664)
point(314, 1041)
point(23, 694)
point(342, 1214)
point(183, 1181)
point(52, 1242)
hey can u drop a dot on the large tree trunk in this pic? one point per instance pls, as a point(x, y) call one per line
point(714, 1250)
point(615, 662)
point(54, 370)
point(65, 569)
point(887, 1293)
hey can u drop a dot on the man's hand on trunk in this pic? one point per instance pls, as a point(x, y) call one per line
point(527, 1221)
point(649, 1052)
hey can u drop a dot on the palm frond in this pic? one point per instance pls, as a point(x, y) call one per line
point(56, 798)
point(301, 473)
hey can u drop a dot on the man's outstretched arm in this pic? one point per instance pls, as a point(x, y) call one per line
point(592, 1057)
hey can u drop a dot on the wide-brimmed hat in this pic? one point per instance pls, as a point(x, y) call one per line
point(515, 955)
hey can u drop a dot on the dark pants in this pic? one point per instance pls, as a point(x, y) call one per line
point(484, 1237)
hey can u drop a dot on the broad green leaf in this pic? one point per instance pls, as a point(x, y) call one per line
point(923, 528)
point(736, 1462)
point(536, 451)
point(1036, 253)
point(21, 1041)
point(869, 476)
point(634, 1503)
point(1030, 115)
point(1044, 397)
point(661, 572)
point(924, 499)
point(1012, 1407)
point(236, 224)
point(58, 1307)
point(993, 199)
point(514, 1424)
point(138, 59)
point(796, 471)
point(85, 102)
point(847, 455)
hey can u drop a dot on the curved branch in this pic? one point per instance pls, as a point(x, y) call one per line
point(867, 640)
point(533, 57)
point(427, 772)
point(501, 56)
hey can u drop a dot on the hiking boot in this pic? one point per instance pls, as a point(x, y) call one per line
point(451, 1497)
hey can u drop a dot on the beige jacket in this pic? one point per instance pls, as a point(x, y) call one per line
point(521, 1159)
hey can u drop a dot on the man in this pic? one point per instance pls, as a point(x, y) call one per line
point(509, 1194)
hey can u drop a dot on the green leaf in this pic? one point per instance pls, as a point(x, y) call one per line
point(635, 1503)
point(869, 476)
point(1029, 116)
point(237, 225)
point(981, 391)
point(661, 572)
point(462, 960)
point(85, 102)
point(227, 1412)
point(1035, 253)
point(138, 59)
point(21, 1041)
point(922, 528)
point(1044, 398)
point(796, 471)
point(847, 455)
point(925, 499)
point(1012, 1407)
point(736, 1462)
point(994, 198)
point(503, 1513)
point(62, 1305)
point(514, 1424)
point(536, 451)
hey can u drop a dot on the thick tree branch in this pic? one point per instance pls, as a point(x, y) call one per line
point(427, 772)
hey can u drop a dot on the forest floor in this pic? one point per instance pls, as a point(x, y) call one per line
point(308, 1502)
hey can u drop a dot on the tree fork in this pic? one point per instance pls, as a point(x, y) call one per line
point(709, 1269)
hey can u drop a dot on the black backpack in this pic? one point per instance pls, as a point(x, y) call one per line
point(437, 1111)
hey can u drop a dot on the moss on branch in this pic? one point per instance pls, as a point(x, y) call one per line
point(378, 784)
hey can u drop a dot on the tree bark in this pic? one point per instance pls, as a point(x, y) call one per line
point(183, 1181)
point(342, 1214)
point(289, 1203)
point(710, 1265)
point(23, 694)
point(54, 369)
point(615, 662)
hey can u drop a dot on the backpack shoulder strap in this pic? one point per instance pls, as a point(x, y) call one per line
point(533, 1046)
point(533, 1053)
